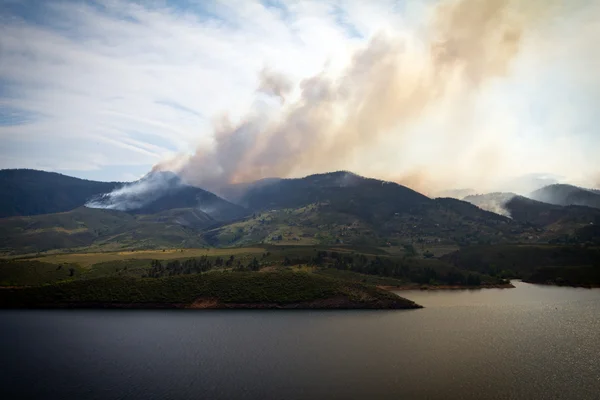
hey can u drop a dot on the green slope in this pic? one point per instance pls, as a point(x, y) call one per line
point(98, 229)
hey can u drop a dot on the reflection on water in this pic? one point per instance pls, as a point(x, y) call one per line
point(524, 294)
point(531, 342)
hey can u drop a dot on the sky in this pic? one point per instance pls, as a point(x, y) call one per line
point(449, 94)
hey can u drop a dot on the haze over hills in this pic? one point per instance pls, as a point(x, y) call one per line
point(565, 195)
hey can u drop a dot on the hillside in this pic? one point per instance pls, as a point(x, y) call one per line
point(550, 219)
point(103, 229)
point(30, 192)
point(76, 228)
point(344, 208)
point(350, 193)
point(566, 195)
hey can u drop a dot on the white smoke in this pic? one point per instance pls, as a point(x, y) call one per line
point(493, 202)
point(137, 194)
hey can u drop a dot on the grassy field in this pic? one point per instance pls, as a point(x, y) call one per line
point(29, 272)
point(358, 264)
point(89, 259)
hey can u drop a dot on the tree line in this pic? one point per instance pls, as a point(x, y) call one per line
point(387, 267)
point(380, 266)
point(160, 269)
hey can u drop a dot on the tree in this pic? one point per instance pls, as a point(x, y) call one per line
point(254, 265)
point(473, 280)
point(409, 250)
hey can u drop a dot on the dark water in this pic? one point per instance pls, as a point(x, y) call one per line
point(531, 342)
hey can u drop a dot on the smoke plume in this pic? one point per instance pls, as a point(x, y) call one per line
point(138, 194)
point(407, 98)
point(274, 84)
point(494, 202)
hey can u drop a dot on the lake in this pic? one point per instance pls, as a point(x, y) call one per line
point(531, 342)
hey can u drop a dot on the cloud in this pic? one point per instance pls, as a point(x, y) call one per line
point(431, 110)
point(146, 77)
point(453, 93)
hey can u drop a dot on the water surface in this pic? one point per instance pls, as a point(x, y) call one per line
point(531, 342)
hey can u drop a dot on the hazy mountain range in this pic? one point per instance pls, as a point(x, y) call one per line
point(45, 211)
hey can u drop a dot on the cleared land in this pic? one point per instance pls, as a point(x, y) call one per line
point(89, 259)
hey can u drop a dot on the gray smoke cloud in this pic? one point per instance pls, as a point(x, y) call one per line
point(274, 84)
point(387, 87)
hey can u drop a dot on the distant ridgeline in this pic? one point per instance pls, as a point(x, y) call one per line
point(48, 211)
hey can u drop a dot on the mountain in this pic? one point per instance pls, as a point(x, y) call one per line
point(550, 220)
point(567, 195)
point(31, 192)
point(160, 210)
point(162, 191)
point(341, 207)
point(345, 191)
point(557, 219)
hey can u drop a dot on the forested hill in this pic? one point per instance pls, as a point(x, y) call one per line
point(346, 191)
point(32, 192)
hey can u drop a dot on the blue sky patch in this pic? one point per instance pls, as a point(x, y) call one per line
point(10, 116)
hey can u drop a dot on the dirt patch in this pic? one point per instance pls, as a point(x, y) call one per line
point(204, 303)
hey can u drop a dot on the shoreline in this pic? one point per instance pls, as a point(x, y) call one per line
point(336, 303)
point(413, 286)
point(550, 283)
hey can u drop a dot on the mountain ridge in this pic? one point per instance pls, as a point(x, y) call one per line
point(330, 208)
